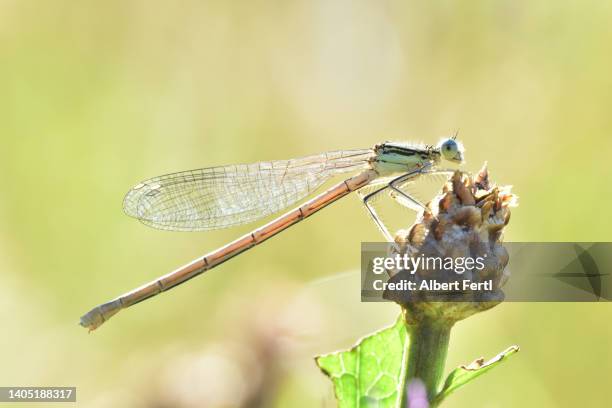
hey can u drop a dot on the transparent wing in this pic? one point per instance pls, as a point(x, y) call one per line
point(219, 197)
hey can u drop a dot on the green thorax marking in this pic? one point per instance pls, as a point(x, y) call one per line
point(394, 158)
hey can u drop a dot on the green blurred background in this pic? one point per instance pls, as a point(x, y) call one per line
point(96, 96)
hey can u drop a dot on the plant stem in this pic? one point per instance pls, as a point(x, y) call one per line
point(427, 354)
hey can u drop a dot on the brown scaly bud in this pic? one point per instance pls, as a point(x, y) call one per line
point(466, 220)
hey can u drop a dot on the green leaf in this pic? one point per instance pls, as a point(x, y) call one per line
point(370, 374)
point(464, 374)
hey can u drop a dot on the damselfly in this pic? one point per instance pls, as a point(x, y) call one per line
point(220, 197)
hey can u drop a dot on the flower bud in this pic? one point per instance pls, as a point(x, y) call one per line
point(464, 222)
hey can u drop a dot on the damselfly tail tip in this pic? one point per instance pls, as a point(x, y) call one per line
point(91, 320)
point(100, 314)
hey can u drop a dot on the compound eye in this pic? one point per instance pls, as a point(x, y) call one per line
point(450, 145)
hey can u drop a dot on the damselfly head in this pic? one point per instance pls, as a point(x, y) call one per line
point(451, 150)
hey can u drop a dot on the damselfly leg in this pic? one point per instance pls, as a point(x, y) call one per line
point(367, 201)
point(398, 195)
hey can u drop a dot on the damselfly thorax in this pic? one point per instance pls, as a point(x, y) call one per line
point(225, 196)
